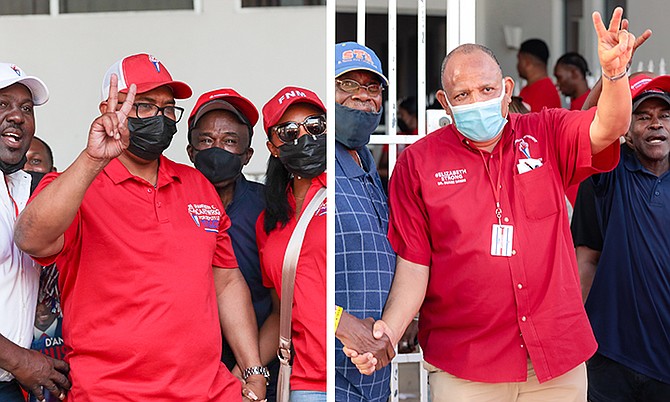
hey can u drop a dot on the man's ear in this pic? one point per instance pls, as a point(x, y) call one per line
point(274, 151)
point(190, 152)
point(247, 156)
point(441, 97)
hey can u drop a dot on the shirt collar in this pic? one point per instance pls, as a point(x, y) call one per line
point(349, 166)
point(118, 173)
point(241, 188)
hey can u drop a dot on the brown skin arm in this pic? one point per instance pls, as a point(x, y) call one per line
point(239, 329)
point(34, 370)
point(587, 262)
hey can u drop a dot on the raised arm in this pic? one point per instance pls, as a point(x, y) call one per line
point(40, 227)
point(615, 49)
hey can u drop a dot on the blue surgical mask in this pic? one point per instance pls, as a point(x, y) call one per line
point(480, 121)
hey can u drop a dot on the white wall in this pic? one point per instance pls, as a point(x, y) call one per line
point(650, 14)
point(255, 51)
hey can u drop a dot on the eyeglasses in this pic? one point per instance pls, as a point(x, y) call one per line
point(290, 131)
point(145, 110)
point(352, 86)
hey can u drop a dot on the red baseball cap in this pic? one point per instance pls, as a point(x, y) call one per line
point(275, 108)
point(147, 73)
point(643, 87)
point(224, 99)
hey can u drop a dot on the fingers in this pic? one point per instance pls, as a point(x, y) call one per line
point(598, 24)
point(641, 39)
point(113, 98)
point(380, 328)
point(127, 104)
point(61, 366)
point(615, 22)
point(350, 353)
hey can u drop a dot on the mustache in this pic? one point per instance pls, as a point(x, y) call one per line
point(10, 125)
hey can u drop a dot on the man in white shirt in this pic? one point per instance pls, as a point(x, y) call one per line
point(19, 275)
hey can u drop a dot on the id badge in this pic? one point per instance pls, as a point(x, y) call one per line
point(501, 240)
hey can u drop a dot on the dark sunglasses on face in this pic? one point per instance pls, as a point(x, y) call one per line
point(352, 86)
point(290, 131)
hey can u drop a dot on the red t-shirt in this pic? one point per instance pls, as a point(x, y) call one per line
point(483, 315)
point(308, 325)
point(541, 93)
point(576, 104)
point(140, 313)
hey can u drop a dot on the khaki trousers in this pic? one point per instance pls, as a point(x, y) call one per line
point(570, 387)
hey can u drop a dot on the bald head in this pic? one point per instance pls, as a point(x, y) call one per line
point(467, 49)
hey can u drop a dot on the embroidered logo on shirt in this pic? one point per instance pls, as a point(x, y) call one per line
point(524, 147)
point(205, 216)
point(455, 176)
point(321, 210)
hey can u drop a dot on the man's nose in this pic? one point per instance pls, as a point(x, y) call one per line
point(15, 115)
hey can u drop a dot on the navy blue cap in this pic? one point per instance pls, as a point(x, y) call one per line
point(350, 56)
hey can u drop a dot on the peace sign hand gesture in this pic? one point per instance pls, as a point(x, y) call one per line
point(109, 135)
point(615, 44)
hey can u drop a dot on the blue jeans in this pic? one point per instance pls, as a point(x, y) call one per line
point(11, 392)
point(610, 381)
point(307, 396)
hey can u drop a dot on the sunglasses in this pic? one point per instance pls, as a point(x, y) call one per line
point(290, 131)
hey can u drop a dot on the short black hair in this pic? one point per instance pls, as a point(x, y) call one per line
point(50, 153)
point(575, 59)
point(537, 48)
point(409, 104)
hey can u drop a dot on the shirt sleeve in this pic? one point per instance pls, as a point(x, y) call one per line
point(572, 141)
point(408, 232)
point(72, 233)
point(224, 256)
point(584, 226)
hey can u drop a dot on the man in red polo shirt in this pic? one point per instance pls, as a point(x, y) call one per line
point(484, 250)
point(144, 259)
point(540, 91)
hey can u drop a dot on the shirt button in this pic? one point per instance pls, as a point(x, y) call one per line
point(158, 204)
point(657, 193)
point(523, 318)
point(513, 252)
point(522, 345)
point(148, 190)
point(506, 219)
point(520, 286)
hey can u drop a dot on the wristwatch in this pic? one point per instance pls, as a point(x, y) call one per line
point(256, 370)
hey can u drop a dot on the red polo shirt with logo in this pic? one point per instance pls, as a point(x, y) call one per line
point(308, 325)
point(140, 317)
point(483, 315)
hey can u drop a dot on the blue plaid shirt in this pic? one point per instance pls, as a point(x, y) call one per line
point(364, 264)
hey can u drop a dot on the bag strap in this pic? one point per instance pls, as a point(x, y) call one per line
point(288, 275)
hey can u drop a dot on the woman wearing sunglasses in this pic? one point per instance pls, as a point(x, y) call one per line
point(295, 122)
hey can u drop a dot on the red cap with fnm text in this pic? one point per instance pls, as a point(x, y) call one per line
point(224, 99)
point(643, 87)
point(275, 108)
point(147, 73)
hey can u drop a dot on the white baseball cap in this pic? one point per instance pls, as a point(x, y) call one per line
point(11, 74)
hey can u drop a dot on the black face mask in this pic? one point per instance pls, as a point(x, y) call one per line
point(305, 157)
point(218, 165)
point(353, 127)
point(9, 169)
point(151, 136)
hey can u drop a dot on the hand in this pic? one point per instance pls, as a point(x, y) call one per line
point(36, 371)
point(237, 372)
point(408, 343)
point(615, 44)
point(356, 335)
point(109, 134)
point(639, 40)
point(254, 389)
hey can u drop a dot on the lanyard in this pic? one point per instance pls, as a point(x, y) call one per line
point(495, 187)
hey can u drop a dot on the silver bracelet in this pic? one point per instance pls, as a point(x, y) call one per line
point(616, 77)
point(256, 370)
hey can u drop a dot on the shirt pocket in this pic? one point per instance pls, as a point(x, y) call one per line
point(539, 193)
